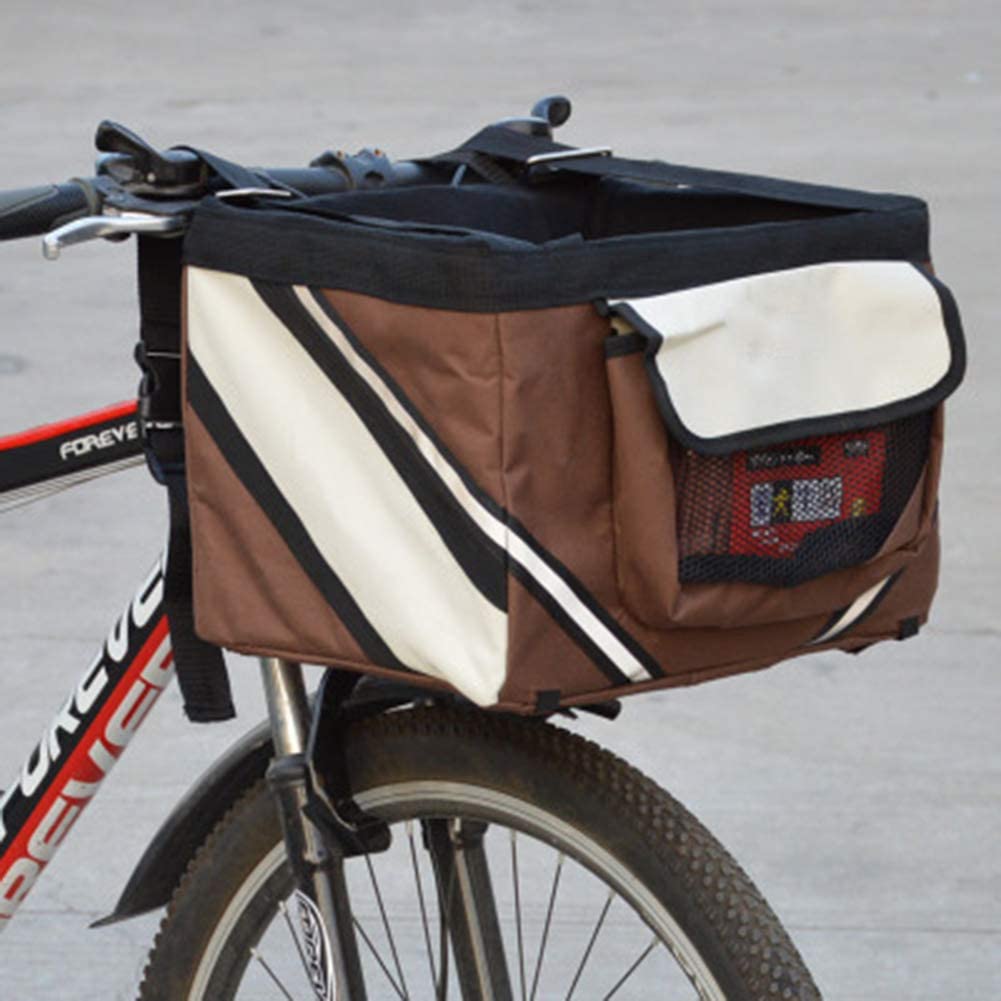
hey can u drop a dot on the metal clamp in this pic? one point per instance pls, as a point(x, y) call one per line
point(95, 226)
point(231, 194)
point(568, 154)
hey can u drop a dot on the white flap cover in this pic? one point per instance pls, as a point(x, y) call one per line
point(810, 350)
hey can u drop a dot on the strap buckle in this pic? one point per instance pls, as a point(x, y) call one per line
point(160, 387)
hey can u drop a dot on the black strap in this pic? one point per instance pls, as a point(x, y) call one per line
point(233, 174)
point(201, 670)
point(505, 144)
point(158, 352)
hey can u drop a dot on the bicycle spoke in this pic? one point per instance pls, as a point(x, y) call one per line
point(385, 924)
point(271, 974)
point(545, 927)
point(378, 959)
point(420, 899)
point(632, 969)
point(517, 910)
point(590, 944)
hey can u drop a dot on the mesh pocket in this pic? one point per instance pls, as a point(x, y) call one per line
point(788, 513)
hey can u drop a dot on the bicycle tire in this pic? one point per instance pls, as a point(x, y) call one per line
point(446, 761)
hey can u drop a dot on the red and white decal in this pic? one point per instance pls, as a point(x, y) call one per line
point(85, 422)
point(83, 742)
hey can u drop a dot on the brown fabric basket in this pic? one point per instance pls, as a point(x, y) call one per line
point(402, 460)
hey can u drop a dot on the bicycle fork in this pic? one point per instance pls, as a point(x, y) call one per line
point(325, 921)
point(321, 831)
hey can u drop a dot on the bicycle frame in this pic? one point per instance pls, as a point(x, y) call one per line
point(88, 735)
point(102, 713)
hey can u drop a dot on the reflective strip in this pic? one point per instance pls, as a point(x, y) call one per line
point(850, 616)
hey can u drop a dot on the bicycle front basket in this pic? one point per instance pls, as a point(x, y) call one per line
point(546, 442)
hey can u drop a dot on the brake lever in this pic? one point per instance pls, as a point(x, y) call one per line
point(94, 227)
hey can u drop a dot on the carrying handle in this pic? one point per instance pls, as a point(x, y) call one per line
point(538, 155)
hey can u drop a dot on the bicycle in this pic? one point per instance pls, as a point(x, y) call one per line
point(526, 862)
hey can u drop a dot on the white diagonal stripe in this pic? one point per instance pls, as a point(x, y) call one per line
point(853, 612)
point(492, 526)
point(356, 508)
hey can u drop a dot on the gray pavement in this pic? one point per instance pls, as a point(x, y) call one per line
point(863, 794)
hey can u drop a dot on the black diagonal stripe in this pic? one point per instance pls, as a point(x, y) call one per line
point(601, 660)
point(577, 632)
point(484, 562)
point(645, 658)
point(252, 474)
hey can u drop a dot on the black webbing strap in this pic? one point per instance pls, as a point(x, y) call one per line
point(505, 144)
point(158, 352)
point(233, 174)
point(201, 670)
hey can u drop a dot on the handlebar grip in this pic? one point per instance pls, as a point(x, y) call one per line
point(34, 211)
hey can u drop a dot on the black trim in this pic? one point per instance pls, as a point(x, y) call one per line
point(418, 418)
point(645, 658)
point(624, 344)
point(830, 622)
point(514, 526)
point(482, 560)
point(252, 474)
point(483, 273)
point(836, 546)
point(548, 700)
point(601, 660)
point(787, 431)
point(509, 144)
point(908, 627)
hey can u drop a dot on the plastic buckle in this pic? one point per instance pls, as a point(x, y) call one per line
point(159, 388)
point(158, 412)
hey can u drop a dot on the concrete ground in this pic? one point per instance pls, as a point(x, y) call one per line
point(863, 794)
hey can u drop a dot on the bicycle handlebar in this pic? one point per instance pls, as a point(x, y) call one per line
point(327, 181)
point(34, 211)
point(133, 177)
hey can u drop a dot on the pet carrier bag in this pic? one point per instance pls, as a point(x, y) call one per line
point(612, 426)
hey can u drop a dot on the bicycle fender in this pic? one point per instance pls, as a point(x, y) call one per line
point(162, 865)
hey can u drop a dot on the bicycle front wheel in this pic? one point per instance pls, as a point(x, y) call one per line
point(600, 884)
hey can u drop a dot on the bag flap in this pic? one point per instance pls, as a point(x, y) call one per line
point(823, 349)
